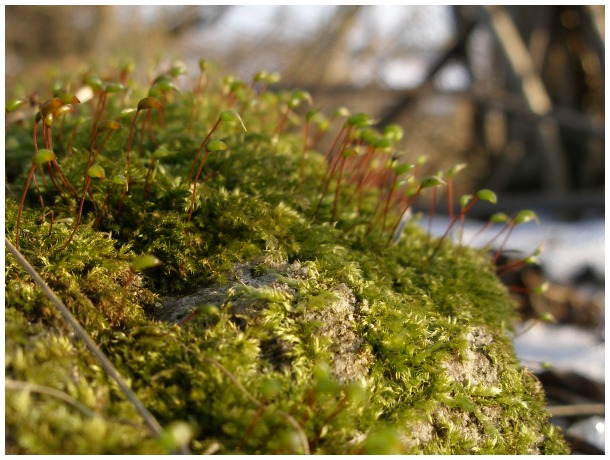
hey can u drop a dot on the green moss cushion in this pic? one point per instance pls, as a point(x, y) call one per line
point(270, 327)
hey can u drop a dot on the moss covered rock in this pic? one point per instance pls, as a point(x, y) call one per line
point(285, 316)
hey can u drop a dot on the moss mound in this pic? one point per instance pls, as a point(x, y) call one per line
point(281, 320)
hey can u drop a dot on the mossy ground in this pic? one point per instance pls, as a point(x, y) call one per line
point(324, 338)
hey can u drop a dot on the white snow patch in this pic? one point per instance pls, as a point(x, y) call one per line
point(565, 348)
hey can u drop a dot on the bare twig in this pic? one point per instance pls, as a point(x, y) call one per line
point(151, 422)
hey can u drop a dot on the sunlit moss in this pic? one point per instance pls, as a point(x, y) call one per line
point(295, 336)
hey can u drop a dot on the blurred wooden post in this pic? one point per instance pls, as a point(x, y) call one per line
point(534, 93)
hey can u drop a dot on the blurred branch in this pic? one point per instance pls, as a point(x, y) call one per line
point(192, 17)
point(519, 59)
point(319, 60)
point(531, 87)
point(561, 115)
point(456, 48)
point(39, 35)
point(594, 17)
point(577, 410)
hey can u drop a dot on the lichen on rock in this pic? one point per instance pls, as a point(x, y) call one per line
point(472, 367)
point(350, 358)
point(243, 296)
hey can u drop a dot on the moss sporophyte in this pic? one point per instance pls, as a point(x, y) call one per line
point(262, 290)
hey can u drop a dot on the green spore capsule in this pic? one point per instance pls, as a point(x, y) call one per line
point(144, 261)
point(44, 156)
point(96, 171)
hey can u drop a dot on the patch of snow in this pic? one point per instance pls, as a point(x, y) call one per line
point(593, 430)
point(564, 347)
point(569, 247)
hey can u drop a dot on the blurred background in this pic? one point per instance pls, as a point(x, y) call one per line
point(516, 92)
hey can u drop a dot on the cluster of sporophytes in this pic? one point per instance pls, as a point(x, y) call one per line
point(323, 321)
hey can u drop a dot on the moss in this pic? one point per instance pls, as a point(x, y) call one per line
point(267, 329)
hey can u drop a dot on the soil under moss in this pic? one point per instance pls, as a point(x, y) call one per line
point(265, 330)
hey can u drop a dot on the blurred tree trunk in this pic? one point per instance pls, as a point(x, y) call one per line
point(525, 81)
point(557, 72)
point(323, 59)
point(39, 35)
